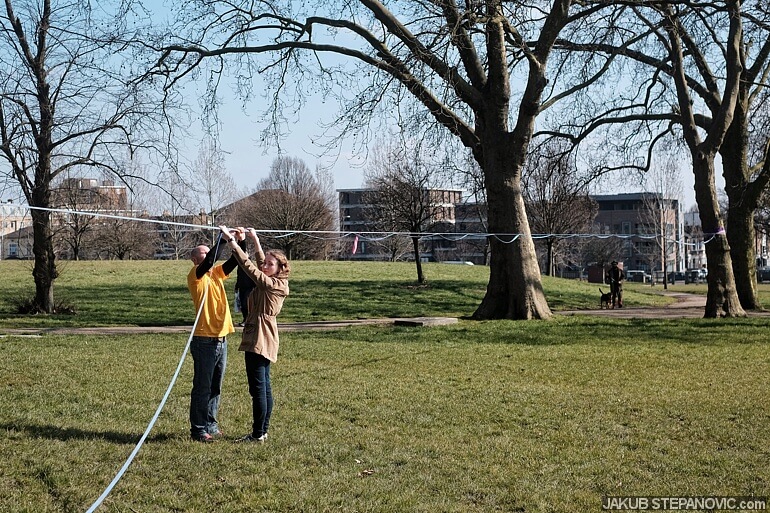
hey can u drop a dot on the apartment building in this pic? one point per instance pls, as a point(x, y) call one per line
point(639, 219)
point(15, 231)
point(357, 213)
point(636, 217)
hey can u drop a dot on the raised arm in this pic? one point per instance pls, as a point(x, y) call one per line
point(251, 268)
point(258, 253)
point(239, 235)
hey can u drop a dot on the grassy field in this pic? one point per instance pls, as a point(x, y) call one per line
point(473, 417)
point(154, 293)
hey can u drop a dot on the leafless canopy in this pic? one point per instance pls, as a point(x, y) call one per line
point(67, 100)
point(480, 70)
point(557, 199)
point(291, 199)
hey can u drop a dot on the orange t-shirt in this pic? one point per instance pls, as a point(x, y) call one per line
point(215, 319)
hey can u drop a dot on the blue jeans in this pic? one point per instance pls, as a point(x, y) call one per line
point(258, 374)
point(209, 362)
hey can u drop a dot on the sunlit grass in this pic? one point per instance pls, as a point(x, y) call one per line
point(473, 417)
point(154, 293)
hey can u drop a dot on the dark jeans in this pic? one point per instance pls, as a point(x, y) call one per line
point(617, 294)
point(209, 362)
point(258, 374)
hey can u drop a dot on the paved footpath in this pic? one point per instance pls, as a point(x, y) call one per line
point(685, 306)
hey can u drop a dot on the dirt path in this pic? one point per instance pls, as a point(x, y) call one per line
point(686, 306)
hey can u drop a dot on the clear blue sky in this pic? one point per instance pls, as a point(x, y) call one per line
point(248, 161)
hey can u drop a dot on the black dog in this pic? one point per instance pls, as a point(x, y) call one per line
point(605, 300)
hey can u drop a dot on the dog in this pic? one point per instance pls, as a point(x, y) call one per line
point(605, 300)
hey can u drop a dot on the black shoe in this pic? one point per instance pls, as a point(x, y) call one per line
point(204, 438)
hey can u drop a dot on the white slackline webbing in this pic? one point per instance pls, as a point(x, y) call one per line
point(505, 238)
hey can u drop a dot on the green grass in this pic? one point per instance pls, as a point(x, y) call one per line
point(473, 417)
point(154, 293)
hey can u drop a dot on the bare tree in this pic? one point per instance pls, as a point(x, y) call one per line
point(216, 185)
point(556, 197)
point(405, 195)
point(292, 199)
point(125, 239)
point(746, 152)
point(72, 230)
point(472, 214)
point(66, 100)
point(661, 213)
point(600, 250)
point(690, 62)
point(454, 60)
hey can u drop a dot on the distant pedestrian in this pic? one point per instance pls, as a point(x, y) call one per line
point(614, 278)
point(243, 287)
point(270, 275)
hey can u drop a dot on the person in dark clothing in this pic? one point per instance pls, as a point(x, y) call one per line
point(614, 278)
point(243, 287)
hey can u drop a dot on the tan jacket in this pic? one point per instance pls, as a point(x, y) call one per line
point(260, 332)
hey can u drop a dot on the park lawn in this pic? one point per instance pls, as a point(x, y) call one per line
point(473, 417)
point(154, 293)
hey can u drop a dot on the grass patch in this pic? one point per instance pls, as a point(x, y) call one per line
point(154, 293)
point(473, 417)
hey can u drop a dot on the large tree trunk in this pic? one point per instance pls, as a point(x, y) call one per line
point(722, 298)
point(515, 288)
point(740, 237)
point(742, 199)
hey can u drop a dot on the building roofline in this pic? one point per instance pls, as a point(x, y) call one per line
point(625, 196)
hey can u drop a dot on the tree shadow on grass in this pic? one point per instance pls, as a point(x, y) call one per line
point(321, 299)
point(68, 434)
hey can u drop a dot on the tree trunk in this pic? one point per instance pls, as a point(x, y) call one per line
point(515, 288)
point(417, 261)
point(742, 200)
point(722, 298)
point(664, 259)
point(549, 270)
point(740, 237)
point(44, 271)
